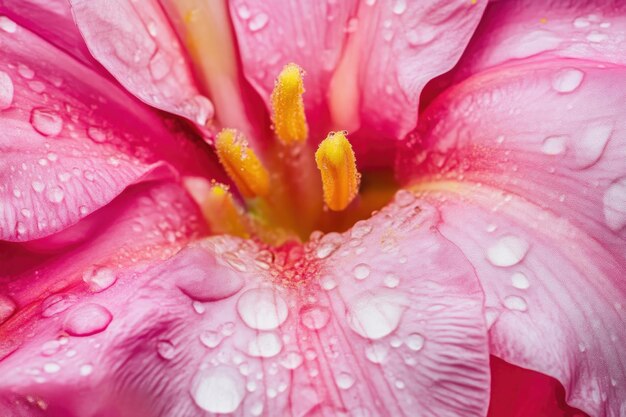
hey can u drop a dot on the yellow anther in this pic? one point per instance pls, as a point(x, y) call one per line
point(336, 161)
point(287, 106)
point(242, 164)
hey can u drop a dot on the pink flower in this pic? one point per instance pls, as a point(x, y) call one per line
point(132, 285)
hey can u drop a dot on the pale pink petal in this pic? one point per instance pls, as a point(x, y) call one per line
point(72, 139)
point(527, 166)
point(135, 42)
point(383, 320)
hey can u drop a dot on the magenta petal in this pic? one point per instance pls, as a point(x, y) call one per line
point(72, 139)
point(383, 320)
point(526, 164)
point(136, 43)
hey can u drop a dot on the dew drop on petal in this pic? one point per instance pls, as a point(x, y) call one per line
point(360, 229)
point(25, 71)
point(375, 315)
point(314, 317)
point(507, 251)
point(87, 319)
point(38, 186)
point(211, 338)
point(56, 304)
point(554, 145)
point(415, 341)
point(99, 278)
point(50, 348)
point(97, 134)
point(344, 380)
point(567, 80)
point(519, 281)
point(218, 390)
point(7, 24)
point(404, 198)
point(391, 281)
point(615, 205)
point(46, 122)
point(513, 302)
point(361, 271)
point(376, 352)
point(7, 308)
point(328, 283)
point(591, 142)
point(399, 7)
point(86, 369)
point(291, 360)
point(6, 90)
point(55, 194)
point(51, 368)
point(265, 345)
point(166, 349)
point(258, 22)
point(262, 309)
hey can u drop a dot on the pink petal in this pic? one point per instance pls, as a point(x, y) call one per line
point(383, 320)
point(136, 43)
point(72, 140)
point(380, 53)
point(527, 166)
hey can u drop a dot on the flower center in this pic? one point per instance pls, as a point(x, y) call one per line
point(287, 190)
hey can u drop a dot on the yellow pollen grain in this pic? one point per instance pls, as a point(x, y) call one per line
point(287, 106)
point(337, 164)
point(242, 164)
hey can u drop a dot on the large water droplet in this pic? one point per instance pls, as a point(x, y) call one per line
point(360, 229)
point(314, 317)
point(376, 352)
point(7, 24)
point(262, 309)
point(554, 145)
point(507, 251)
point(615, 205)
point(99, 278)
point(520, 281)
point(6, 90)
point(258, 22)
point(87, 319)
point(46, 122)
point(218, 390)
point(513, 302)
point(375, 315)
point(7, 308)
point(166, 349)
point(415, 341)
point(590, 144)
point(361, 271)
point(344, 380)
point(567, 80)
point(265, 345)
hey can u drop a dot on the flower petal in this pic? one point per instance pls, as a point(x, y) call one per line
point(136, 43)
point(72, 139)
point(310, 330)
point(526, 164)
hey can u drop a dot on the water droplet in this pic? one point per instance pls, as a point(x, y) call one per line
point(7, 308)
point(6, 90)
point(166, 349)
point(243, 11)
point(375, 315)
point(262, 309)
point(55, 194)
point(513, 302)
point(554, 145)
point(328, 283)
point(51, 368)
point(376, 352)
point(7, 24)
point(265, 345)
point(361, 271)
point(50, 348)
point(56, 304)
point(291, 360)
point(520, 281)
point(399, 7)
point(160, 66)
point(615, 205)
point(38, 186)
point(97, 134)
point(567, 80)
point(581, 22)
point(415, 341)
point(508, 251)
point(46, 122)
point(360, 229)
point(258, 22)
point(218, 390)
point(86, 369)
point(99, 278)
point(211, 338)
point(328, 244)
point(87, 319)
point(591, 142)
point(597, 37)
point(420, 36)
point(404, 198)
point(152, 28)
point(391, 281)
point(314, 317)
point(344, 380)
point(25, 71)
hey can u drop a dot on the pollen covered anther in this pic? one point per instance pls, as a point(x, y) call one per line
point(241, 164)
point(340, 179)
point(288, 107)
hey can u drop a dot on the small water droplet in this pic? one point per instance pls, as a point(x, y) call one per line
point(391, 281)
point(344, 380)
point(262, 309)
point(6, 90)
point(20, 229)
point(520, 281)
point(55, 194)
point(25, 71)
point(415, 341)
point(328, 283)
point(99, 278)
point(97, 134)
point(166, 349)
point(513, 302)
point(597, 37)
point(554, 145)
point(375, 315)
point(314, 317)
point(50, 347)
point(38, 186)
point(243, 11)
point(51, 368)
point(265, 345)
point(404, 198)
point(591, 142)
point(581, 22)
point(211, 338)
point(420, 36)
point(46, 122)
point(361, 271)
point(7, 308)
point(152, 28)
point(567, 80)
point(399, 7)
point(360, 229)
point(614, 201)
point(220, 389)
point(376, 352)
point(258, 22)
point(56, 304)
point(87, 319)
point(507, 251)
point(291, 360)
point(86, 369)
point(7, 24)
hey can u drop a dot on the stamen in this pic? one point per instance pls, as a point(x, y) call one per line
point(242, 164)
point(287, 106)
point(336, 161)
